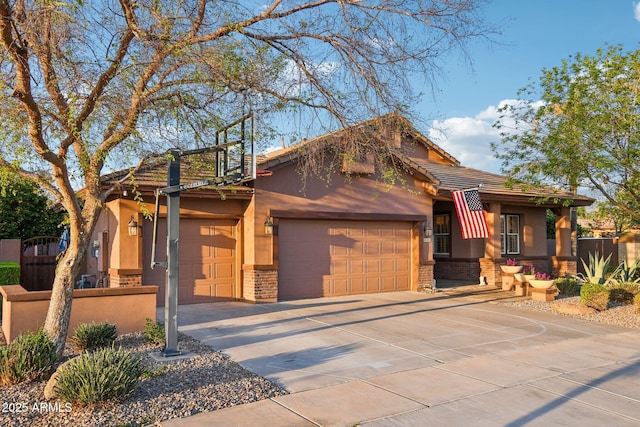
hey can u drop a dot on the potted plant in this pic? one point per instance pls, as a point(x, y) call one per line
point(511, 267)
point(542, 281)
point(528, 272)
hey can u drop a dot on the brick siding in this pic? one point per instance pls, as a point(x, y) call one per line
point(260, 285)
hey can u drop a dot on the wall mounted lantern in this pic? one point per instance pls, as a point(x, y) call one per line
point(428, 232)
point(132, 226)
point(268, 226)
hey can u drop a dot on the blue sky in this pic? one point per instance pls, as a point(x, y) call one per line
point(536, 34)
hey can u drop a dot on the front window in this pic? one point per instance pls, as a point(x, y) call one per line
point(510, 234)
point(442, 234)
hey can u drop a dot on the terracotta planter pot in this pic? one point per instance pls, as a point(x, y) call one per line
point(511, 268)
point(541, 284)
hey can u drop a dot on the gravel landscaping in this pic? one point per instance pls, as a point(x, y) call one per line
point(624, 315)
point(205, 382)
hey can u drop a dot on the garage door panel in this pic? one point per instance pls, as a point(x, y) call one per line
point(403, 265)
point(222, 290)
point(357, 249)
point(388, 266)
point(194, 272)
point(340, 266)
point(403, 245)
point(372, 248)
point(358, 286)
point(223, 270)
point(343, 257)
point(357, 266)
point(373, 285)
point(340, 251)
point(372, 266)
point(339, 286)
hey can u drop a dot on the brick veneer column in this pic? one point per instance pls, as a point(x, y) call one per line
point(490, 269)
point(564, 266)
point(425, 277)
point(124, 277)
point(260, 284)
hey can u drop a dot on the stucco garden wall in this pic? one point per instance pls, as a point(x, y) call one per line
point(127, 308)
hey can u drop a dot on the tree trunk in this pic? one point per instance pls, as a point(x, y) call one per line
point(57, 321)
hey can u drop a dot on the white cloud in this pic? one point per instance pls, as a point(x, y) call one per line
point(469, 139)
point(636, 11)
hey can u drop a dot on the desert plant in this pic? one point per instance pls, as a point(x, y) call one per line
point(594, 295)
point(596, 271)
point(92, 336)
point(623, 292)
point(627, 273)
point(29, 357)
point(98, 376)
point(154, 332)
point(568, 286)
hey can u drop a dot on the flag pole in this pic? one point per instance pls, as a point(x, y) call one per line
point(478, 187)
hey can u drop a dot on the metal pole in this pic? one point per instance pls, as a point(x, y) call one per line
point(173, 235)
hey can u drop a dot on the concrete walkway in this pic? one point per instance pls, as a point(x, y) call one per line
point(449, 359)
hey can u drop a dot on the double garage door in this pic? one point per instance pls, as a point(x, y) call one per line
point(329, 257)
point(208, 266)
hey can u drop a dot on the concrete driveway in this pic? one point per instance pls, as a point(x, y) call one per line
point(417, 359)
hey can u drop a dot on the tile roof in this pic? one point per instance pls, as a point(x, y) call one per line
point(442, 178)
point(451, 178)
point(153, 175)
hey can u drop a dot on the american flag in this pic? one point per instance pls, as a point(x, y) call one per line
point(470, 214)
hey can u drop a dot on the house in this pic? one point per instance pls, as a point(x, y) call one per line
point(348, 230)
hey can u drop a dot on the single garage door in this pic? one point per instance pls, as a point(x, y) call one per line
point(319, 258)
point(207, 262)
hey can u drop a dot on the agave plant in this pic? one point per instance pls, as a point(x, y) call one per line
point(596, 270)
point(626, 273)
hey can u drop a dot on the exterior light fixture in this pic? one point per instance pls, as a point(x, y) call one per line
point(428, 231)
point(132, 226)
point(268, 226)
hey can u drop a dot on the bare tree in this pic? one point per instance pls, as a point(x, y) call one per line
point(84, 84)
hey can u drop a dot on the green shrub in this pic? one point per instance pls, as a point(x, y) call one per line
point(594, 295)
point(102, 375)
point(624, 292)
point(29, 357)
point(92, 336)
point(568, 286)
point(9, 273)
point(154, 332)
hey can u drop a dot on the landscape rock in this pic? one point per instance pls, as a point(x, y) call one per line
point(572, 309)
point(49, 389)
